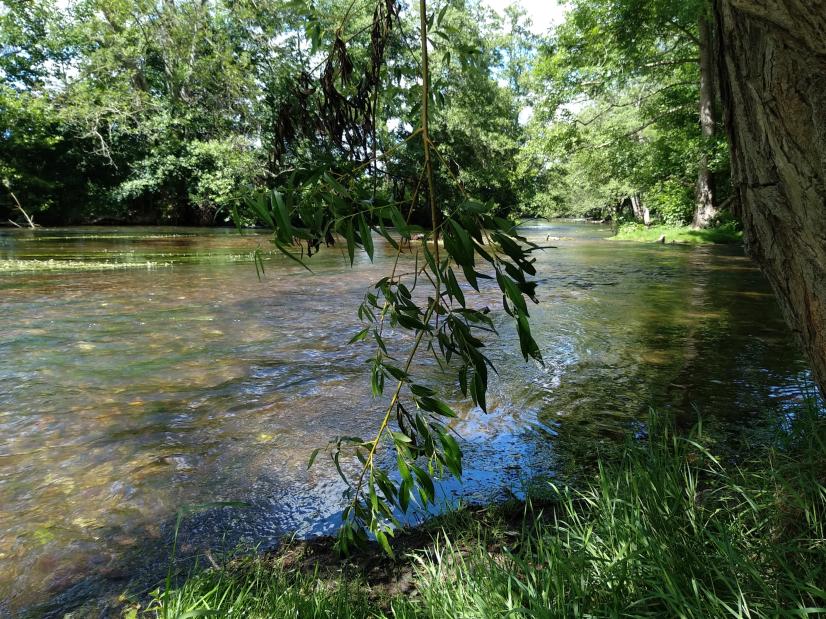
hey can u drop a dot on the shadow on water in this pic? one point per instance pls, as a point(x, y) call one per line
point(132, 393)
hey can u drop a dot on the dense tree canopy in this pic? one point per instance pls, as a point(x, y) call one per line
point(618, 107)
point(172, 111)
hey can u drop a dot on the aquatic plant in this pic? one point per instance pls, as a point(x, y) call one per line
point(9, 265)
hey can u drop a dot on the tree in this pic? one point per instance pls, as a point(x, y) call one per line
point(165, 92)
point(773, 83)
point(649, 66)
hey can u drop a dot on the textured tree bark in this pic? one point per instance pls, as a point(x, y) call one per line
point(705, 208)
point(773, 86)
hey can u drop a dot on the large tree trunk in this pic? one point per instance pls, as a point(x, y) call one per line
point(705, 208)
point(773, 87)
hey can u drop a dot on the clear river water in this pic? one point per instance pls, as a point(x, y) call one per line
point(147, 369)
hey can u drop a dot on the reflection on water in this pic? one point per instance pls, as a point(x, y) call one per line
point(128, 393)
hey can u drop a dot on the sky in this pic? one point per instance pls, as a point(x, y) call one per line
point(544, 13)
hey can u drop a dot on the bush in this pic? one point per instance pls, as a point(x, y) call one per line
point(672, 202)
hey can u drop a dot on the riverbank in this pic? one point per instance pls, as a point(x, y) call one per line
point(724, 234)
point(670, 529)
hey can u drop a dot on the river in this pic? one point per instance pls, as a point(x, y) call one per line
point(146, 369)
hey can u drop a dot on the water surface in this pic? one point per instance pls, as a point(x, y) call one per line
point(183, 379)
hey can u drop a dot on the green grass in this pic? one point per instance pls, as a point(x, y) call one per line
point(725, 233)
point(667, 531)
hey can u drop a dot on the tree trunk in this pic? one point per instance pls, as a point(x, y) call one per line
point(773, 88)
point(641, 212)
point(705, 208)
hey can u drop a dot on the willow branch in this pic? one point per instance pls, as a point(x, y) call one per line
point(428, 163)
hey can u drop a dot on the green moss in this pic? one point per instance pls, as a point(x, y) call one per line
point(724, 234)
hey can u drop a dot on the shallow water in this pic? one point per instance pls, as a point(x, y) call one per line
point(126, 394)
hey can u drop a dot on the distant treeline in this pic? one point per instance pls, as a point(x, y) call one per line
point(171, 111)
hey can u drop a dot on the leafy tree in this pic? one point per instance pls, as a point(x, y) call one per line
point(631, 80)
point(169, 111)
point(31, 143)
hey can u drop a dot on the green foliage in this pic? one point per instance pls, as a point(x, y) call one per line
point(620, 92)
point(212, 175)
point(340, 201)
point(672, 201)
point(251, 587)
point(166, 111)
point(669, 531)
point(722, 233)
point(314, 207)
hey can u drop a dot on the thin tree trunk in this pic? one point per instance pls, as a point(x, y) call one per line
point(20, 208)
point(641, 212)
point(705, 208)
point(773, 88)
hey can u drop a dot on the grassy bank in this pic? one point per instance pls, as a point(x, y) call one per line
point(726, 233)
point(669, 530)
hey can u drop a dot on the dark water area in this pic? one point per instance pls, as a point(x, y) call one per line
point(142, 370)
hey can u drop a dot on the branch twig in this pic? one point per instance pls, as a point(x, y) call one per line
point(29, 220)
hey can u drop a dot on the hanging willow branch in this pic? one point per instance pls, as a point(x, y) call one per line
point(465, 248)
point(345, 120)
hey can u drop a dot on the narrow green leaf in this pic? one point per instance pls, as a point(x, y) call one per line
point(361, 335)
point(527, 344)
point(421, 390)
point(426, 487)
point(349, 236)
point(383, 231)
point(366, 236)
point(313, 456)
point(381, 537)
point(290, 255)
point(453, 287)
point(442, 14)
point(434, 405)
point(282, 216)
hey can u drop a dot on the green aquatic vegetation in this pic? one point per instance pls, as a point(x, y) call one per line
point(125, 260)
point(9, 265)
point(667, 529)
point(97, 237)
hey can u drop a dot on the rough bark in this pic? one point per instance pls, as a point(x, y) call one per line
point(773, 87)
point(705, 208)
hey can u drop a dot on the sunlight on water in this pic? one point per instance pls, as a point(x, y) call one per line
point(129, 393)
